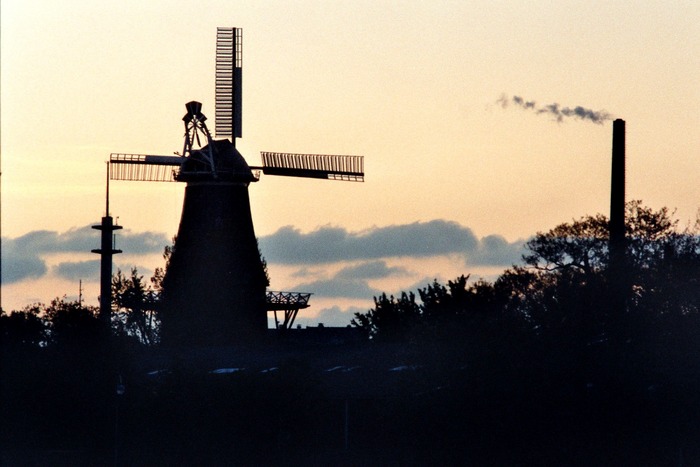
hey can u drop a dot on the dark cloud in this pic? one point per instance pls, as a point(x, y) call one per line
point(333, 244)
point(557, 111)
point(22, 256)
point(353, 281)
point(350, 281)
point(17, 267)
point(371, 270)
point(338, 287)
point(495, 250)
point(419, 240)
point(78, 270)
point(83, 239)
point(90, 270)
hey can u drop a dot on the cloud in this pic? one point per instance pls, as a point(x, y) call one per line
point(90, 270)
point(333, 316)
point(333, 244)
point(371, 270)
point(556, 110)
point(327, 245)
point(22, 257)
point(418, 240)
point(17, 267)
point(339, 287)
point(359, 257)
point(495, 250)
point(78, 269)
point(350, 281)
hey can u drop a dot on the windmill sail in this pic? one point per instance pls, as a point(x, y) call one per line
point(330, 167)
point(228, 94)
point(142, 167)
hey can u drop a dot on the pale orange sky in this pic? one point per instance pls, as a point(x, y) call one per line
point(412, 86)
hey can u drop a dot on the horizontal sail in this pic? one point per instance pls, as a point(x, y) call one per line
point(142, 167)
point(324, 166)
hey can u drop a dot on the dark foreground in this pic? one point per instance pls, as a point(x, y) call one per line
point(348, 404)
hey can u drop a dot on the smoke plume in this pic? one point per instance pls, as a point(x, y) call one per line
point(556, 110)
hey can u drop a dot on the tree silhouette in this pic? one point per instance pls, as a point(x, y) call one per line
point(391, 319)
point(72, 324)
point(23, 328)
point(562, 292)
point(565, 272)
point(135, 304)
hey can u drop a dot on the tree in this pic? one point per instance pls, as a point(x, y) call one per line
point(263, 262)
point(579, 247)
point(391, 319)
point(563, 291)
point(135, 305)
point(23, 328)
point(582, 245)
point(444, 312)
point(71, 324)
point(564, 283)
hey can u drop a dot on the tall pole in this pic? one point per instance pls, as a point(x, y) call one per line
point(0, 235)
point(106, 251)
point(0, 221)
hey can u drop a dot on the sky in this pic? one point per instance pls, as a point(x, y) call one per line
point(481, 123)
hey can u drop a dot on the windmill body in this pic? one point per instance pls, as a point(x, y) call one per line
point(214, 291)
point(214, 288)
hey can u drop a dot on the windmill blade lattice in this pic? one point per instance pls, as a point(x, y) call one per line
point(144, 168)
point(228, 86)
point(324, 166)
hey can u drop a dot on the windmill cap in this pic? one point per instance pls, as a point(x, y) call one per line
point(194, 109)
point(229, 163)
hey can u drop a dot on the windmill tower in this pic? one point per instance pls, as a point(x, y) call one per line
point(214, 291)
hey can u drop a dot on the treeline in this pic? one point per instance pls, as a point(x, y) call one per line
point(556, 362)
point(564, 292)
point(562, 312)
point(63, 323)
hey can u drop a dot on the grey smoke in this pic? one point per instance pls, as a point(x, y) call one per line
point(556, 110)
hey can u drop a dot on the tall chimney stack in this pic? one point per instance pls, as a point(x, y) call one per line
point(617, 243)
point(617, 188)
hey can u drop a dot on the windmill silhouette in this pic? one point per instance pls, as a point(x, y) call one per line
point(214, 290)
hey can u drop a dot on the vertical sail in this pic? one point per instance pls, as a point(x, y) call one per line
point(229, 60)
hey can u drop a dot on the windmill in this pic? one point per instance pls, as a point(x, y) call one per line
point(214, 291)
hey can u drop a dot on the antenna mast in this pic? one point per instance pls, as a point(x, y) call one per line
point(107, 194)
point(106, 251)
